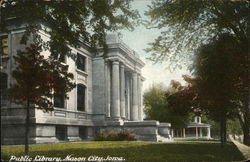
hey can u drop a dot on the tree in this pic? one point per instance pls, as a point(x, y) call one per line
point(155, 103)
point(187, 25)
point(157, 107)
point(37, 79)
point(234, 127)
point(67, 22)
point(183, 102)
point(221, 80)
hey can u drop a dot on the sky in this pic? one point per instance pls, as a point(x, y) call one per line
point(138, 40)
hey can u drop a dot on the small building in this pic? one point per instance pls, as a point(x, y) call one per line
point(193, 130)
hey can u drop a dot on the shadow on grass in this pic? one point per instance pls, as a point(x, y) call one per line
point(141, 151)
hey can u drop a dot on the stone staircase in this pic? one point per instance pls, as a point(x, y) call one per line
point(164, 139)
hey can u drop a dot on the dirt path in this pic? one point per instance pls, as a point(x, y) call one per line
point(245, 150)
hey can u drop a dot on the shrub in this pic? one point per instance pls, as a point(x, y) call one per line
point(112, 136)
point(126, 136)
point(100, 136)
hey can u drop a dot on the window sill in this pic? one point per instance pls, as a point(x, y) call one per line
point(83, 111)
point(59, 108)
point(5, 57)
point(63, 63)
point(81, 72)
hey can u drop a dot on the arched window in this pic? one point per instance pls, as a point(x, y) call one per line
point(4, 45)
point(81, 62)
point(81, 90)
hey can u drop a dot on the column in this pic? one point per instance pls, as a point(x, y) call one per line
point(127, 105)
point(184, 133)
point(196, 132)
point(201, 132)
point(130, 95)
point(195, 119)
point(139, 99)
point(126, 97)
point(134, 112)
point(115, 109)
point(107, 80)
point(122, 91)
point(208, 132)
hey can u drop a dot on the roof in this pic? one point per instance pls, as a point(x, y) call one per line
point(194, 124)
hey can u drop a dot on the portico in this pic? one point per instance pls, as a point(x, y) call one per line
point(193, 130)
point(123, 91)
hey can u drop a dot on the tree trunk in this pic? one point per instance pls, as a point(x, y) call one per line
point(223, 131)
point(246, 139)
point(245, 126)
point(27, 127)
point(246, 130)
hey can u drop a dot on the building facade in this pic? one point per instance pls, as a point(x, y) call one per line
point(108, 96)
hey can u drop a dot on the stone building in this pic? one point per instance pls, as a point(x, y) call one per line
point(108, 96)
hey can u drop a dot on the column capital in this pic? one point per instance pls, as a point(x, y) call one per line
point(115, 62)
point(106, 62)
point(122, 66)
point(134, 73)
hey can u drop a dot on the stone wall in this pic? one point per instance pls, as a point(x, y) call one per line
point(142, 130)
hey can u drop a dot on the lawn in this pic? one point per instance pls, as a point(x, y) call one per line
point(133, 151)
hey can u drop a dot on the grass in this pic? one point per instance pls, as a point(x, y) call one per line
point(197, 140)
point(133, 151)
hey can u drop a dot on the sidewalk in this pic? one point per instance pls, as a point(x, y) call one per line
point(245, 150)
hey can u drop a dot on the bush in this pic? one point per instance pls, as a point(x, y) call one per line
point(112, 136)
point(100, 136)
point(126, 136)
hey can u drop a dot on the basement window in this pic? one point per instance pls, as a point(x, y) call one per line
point(61, 132)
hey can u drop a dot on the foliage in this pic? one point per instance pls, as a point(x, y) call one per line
point(36, 81)
point(214, 67)
point(158, 107)
point(155, 104)
point(189, 25)
point(215, 126)
point(234, 127)
point(67, 22)
point(112, 136)
point(221, 71)
point(133, 151)
point(185, 99)
point(38, 78)
point(186, 25)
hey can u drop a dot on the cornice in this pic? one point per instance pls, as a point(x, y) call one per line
point(130, 54)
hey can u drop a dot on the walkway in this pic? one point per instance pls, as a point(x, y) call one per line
point(245, 150)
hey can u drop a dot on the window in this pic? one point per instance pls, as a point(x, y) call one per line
point(63, 59)
point(83, 133)
point(81, 62)
point(4, 86)
point(61, 132)
point(59, 101)
point(4, 45)
point(81, 97)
